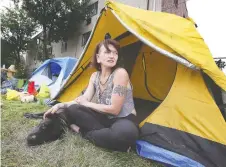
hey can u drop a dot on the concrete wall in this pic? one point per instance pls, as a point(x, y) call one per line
point(170, 6)
point(154, 5)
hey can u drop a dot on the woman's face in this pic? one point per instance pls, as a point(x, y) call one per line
point(107, 58)
point(9, 74)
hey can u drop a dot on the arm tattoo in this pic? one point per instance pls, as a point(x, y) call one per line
point(120, 90)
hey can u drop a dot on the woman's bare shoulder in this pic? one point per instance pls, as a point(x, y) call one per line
point(93, 76)
point(121, 73)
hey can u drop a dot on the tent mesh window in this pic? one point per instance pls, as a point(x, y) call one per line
point(216, 93)
point(47, 72)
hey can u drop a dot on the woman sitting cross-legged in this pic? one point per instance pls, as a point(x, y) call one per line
point(108, 123)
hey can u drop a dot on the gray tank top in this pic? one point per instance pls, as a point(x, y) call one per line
point(105, 96)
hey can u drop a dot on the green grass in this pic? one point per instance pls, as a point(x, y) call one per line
point(71, 151)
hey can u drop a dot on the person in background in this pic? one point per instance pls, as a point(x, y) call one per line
point(3, 75)
point(11, 81)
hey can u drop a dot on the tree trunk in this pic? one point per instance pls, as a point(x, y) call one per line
point(45, 53)
point(18, 57)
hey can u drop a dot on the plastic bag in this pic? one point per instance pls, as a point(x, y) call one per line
point(12, 95)
point(31, 88)
point(27, 99)
point(44, 92)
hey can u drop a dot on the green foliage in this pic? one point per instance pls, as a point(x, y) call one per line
point(7, 56)
point(221, 63)
point(39, 52)
point(58, 19)
point(61, 18)
point(16, 29)
point(21, 71)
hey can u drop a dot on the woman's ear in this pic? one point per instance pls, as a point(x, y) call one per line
point(97, 55)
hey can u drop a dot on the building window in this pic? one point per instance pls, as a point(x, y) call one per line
point(50, 50)
point(92, 10)
point(37, 41)
point(85, 38)
point(63, 47)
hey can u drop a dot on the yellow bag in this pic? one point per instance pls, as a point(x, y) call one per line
point(12, 95)
point(44, 92)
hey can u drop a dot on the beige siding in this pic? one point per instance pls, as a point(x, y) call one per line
point(154, 5)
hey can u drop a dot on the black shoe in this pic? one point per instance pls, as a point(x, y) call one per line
point(34, 115)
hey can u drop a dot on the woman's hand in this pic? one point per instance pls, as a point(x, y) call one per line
point(81, 100)
point(54, 109)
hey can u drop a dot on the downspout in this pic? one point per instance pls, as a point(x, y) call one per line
point(147, 4)
point(154, 5)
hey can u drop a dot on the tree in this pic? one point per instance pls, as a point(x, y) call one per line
point(220, 63)
point(59, 19)
point(7, 56)
point(17, 30)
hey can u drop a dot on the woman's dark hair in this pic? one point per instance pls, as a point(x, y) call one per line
point(106, 43)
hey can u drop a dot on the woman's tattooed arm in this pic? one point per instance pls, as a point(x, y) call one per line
point(118, 96)
point(120, 90)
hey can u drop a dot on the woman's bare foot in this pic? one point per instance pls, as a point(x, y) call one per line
point(74, 128)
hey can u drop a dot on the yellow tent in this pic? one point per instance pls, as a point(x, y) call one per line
point(166, 59)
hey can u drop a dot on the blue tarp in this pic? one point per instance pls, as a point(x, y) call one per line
point(147, 150)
